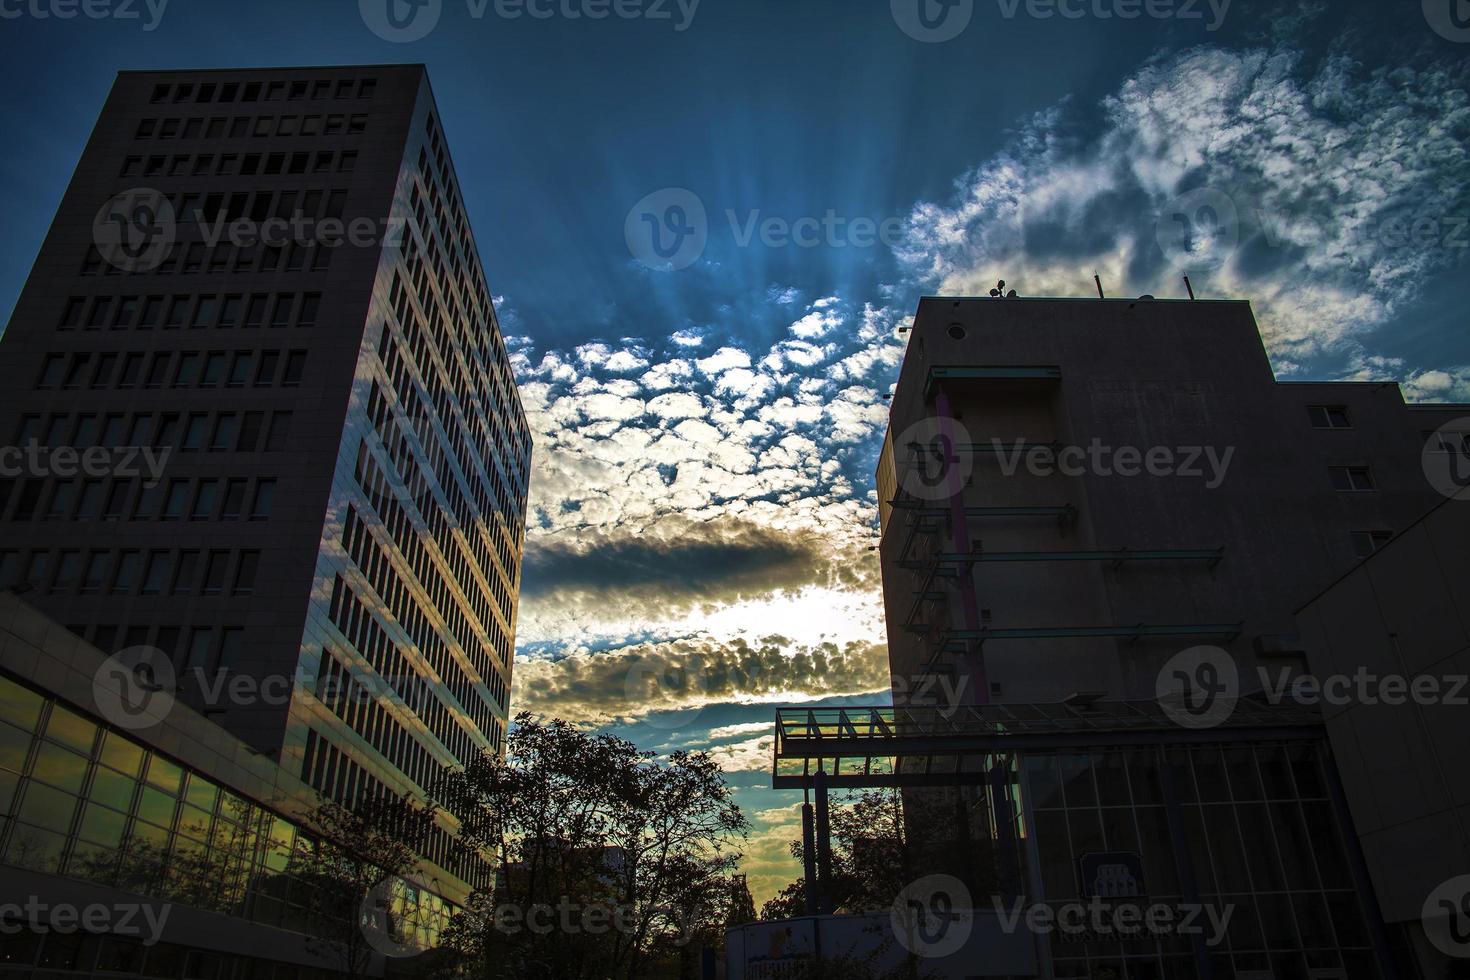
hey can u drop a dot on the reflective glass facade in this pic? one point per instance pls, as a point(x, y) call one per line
point(81, 800)
point(1263, 840)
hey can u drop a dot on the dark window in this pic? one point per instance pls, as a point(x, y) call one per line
point(1329, 416)
point(1352, 478)
point(1367, 542)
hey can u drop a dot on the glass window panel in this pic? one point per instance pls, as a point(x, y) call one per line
point(1229, 855)
point(15, 744)
point(1275, 773)
point(1112, 779)
point(19, 706)
point(1327, 843)
point(1312, 920)
point(1143, 777)
point(95, 862)
point(102, 825)
point(1057, 878)
point(47, 807)
point(112, 788)
point(59, 767)
point(1209, 775)
point(1347, 919)
point(1245, 783)
point(1309, 784)
point(1244, 931)
point(1296, 847)
point(1086, 828)
point(156, 807)
point(1119, 829)
point(164, 774)
point(1278, 922)
point(34, 848)
point(1077, 780)
point(8, 783)
point(1199, 852)
point(121, 754)
point(71, 729)
point(201, 793)
point(194, 822)
point(1265, 866)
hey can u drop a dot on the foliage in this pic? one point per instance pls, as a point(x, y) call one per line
point(610, 862)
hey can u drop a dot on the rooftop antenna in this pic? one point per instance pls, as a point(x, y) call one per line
point(999, 292)
point(1098, 279)
point(1188, 286)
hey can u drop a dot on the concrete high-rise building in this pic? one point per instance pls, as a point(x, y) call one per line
point(1082, 500)
point(260, 417)
point(1099, 520)
point(1134, 480)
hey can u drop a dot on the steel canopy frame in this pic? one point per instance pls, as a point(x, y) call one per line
point(867, 747)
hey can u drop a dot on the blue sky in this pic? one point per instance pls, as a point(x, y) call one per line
point(702, 498)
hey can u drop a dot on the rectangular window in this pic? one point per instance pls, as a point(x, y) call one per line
point(245, 572)
point(1367, 542)
point(214, 572)
point(1329, 416)
point(295, 368)
point(186, 573)
point(310, 303)
point(177, 500)
point(204, 500)
point(265, 495)
point(155, 580)
point(1351, 479)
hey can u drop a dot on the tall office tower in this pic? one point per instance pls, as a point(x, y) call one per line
point(261, 298)
point(1127, 479)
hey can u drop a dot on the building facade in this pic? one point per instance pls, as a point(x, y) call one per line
point(167, 850)
point(1398, 628)
point(1098, 518)
point(261, 315)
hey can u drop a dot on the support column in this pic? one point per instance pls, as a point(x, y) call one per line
point(824, 846)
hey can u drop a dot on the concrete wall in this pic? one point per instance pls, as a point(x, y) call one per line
point(1405, 612)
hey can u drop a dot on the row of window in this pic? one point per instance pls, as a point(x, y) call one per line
point(259, 206)
point(315, 90)
point(244, 432)
point(373, 559)
point(130, 571)
point(224, 257)
point(335, 775)
point(237, 127)
point(208, 648)
point(249, 311)
point(175, 369)
point(239, 164)
point(354, 618)
point(478, 583)
point(121, 499)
